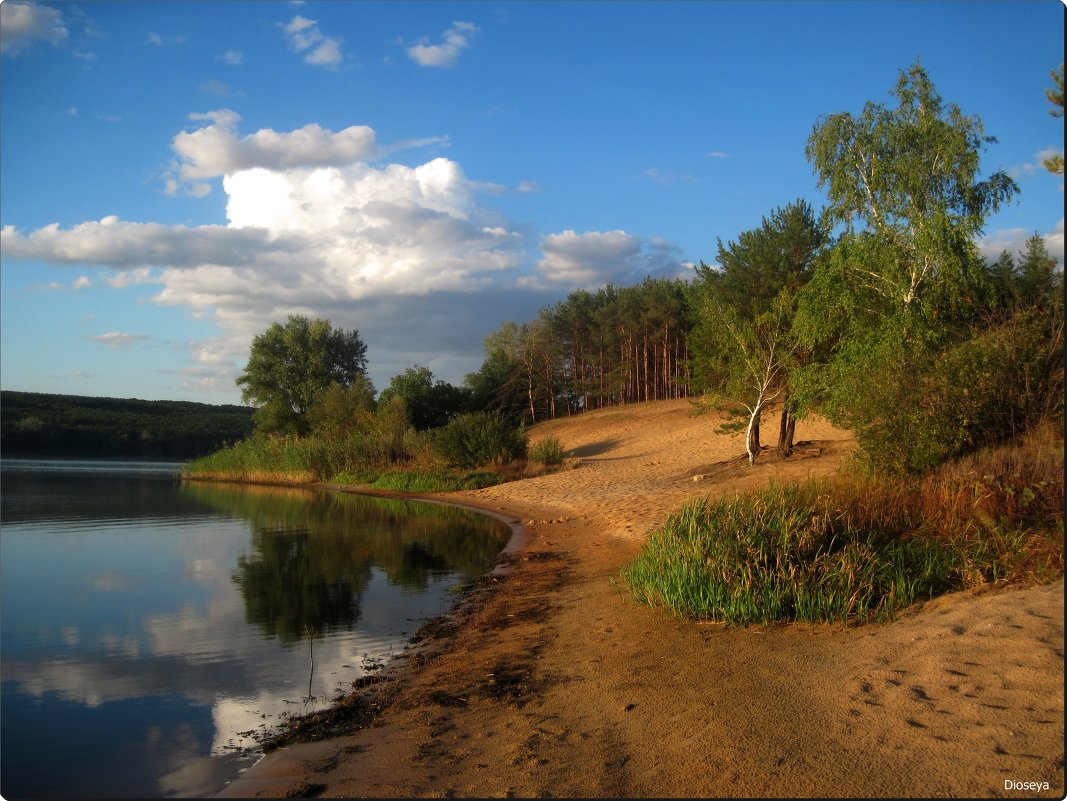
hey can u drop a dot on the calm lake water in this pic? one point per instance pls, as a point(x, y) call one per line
point(147, 625)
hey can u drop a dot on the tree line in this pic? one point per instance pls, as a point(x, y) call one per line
point(877, 311)
point(41, 424)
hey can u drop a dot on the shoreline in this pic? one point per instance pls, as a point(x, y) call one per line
point(555, 682)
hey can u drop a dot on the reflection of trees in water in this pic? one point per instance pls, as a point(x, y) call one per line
point(312, 551)
point(296, 580)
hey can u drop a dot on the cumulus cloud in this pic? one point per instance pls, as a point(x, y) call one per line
point(411, 256)
point(1035, 167)
point(446, 54)
point(159, 40)
point(305, 37)
point(116, 243)
point(233, 58)
point(22, 24)
point(596, 258)
point(215, 149)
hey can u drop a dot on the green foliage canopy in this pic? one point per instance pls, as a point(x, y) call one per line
point(1054, 163)
point(430, 402)
point(913, 357)
point(291, 364)
point(39, 424)
point(743, 348)
point(906, 180)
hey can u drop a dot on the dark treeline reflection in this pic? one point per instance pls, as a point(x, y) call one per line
point(312, 553)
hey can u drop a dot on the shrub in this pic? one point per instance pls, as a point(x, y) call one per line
point(548, 451)
point(480, 438)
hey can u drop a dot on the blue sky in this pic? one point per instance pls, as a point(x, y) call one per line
point(175, 176)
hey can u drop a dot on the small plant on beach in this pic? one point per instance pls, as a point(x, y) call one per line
point(548, 451)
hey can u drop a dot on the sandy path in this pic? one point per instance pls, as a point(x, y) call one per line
point(557, 684)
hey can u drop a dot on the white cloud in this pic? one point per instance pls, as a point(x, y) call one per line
point(164, 41)
point(22, 24)
point(216, 87)
point(1014, 240)
point(657, 176)
point(115, 243)
point(1035, 167)
point(411, 256)
point(445, 54)
point(215, 149)
point(125, 278)
point(327, 54)
point(234, 58)
point(717, 154)
point(596, 258)
point(305, 37)
point(117, 339)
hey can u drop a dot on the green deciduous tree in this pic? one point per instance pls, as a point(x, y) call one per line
point(337, 412)
point(430, 401)
point(291, 364)
point(742, 344)
point(900, 306)
point(905, 182)
point(758, 354)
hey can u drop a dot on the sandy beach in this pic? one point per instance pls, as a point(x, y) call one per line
point(554, 682)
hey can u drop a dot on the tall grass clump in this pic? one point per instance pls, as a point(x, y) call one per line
point(859, 548)
point(262, 457)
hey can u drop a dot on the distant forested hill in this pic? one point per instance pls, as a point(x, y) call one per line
point(36, 424)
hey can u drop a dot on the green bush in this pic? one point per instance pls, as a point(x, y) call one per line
point(480, 438)
point(914, 404)
point(547, 451)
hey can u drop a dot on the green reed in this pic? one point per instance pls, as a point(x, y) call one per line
point(857, 548)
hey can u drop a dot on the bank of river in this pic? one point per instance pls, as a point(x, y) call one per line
point(555, 683)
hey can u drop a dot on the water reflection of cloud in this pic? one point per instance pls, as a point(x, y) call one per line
point(211, 657)
point(178, 632)
point(111, 581)
point(125, 646)
point(69, 636)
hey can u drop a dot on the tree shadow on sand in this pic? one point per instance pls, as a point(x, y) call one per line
point(595, 448)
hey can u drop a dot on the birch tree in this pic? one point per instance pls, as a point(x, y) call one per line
point(904, 285)
point(760, 352)
point(904, 181)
